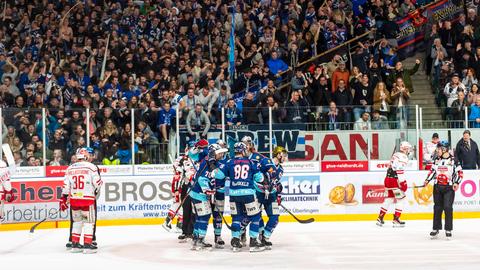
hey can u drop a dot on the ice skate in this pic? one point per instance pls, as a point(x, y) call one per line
point(448, 234)
point(200, 244)
point(183, 238)
point(89, 249)
point(236, 245)
point(178, 228)
point(76, 248)
point(265, 241)
point(397, 223)
point(69, 245)
point(256, 246)
point(380, 222)
point(434, 234)
point(167, 225)
point(219, 243)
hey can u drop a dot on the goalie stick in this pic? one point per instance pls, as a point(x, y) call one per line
point(302, 221)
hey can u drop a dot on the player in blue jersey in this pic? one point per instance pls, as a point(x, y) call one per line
point(242, 173)
point(219, 204)
point(268, 192)
point(251, 152)
point(203, 191)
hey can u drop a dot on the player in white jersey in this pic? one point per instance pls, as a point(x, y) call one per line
point(82, 183)
point(429, 151)
point(6, 191)
point(447, 176)
point(395, 185)
point(183, 172)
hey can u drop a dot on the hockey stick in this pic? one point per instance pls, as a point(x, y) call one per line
point(302, 221)
point(386, 189)
point(223, 217)
point(32, 229)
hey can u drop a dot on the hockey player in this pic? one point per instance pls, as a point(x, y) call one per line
point(219, 205)
point(203, 191)
point(187, 164)
point(6, 191)
point(242, 173)
point(91, 157)
point(447, 176)
point(268, 192)
point(251, 151)
point(396, 185)
point(82, 183)
point(429, 151)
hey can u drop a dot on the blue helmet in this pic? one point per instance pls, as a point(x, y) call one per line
point(443, 143)
point(240, 147)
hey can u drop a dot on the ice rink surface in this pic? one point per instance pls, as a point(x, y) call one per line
point(324, 245)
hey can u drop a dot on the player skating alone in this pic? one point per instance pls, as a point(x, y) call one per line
point(447, 176)
point(6, 191)
point(242, 173)
point(268, 193)
point(203, 191)
point(81, 185)
point(396, 185)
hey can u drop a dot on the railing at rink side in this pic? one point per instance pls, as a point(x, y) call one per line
point(49, 137)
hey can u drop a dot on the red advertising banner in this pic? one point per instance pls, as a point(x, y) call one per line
point(373, 194)
point(345, 166)
point(37, 191)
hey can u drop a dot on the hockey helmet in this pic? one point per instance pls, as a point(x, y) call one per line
point(405, 147)
point(444, 145)
point(247, 140)
point(201, 143)
point(240, 147)
point(279, 149)
point(82, 153)
point(221, 143)
point(214, 150)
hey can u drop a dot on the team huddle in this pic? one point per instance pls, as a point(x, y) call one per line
point(205, 175)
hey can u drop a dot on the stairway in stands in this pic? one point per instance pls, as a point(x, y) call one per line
point(432, 117)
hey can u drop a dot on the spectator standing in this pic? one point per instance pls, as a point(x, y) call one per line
point(467, 153)
point(400, 96)
point(405, 74)
point(197, 119)
point(363, 97)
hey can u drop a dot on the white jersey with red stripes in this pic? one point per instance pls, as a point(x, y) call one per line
point(398, 163)
point(184, 166)
point(5, 184)
point(82, 183)
point(429, 149)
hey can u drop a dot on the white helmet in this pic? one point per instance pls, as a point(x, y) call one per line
point(247, 140)
point(82, 153)
point(405, 147)
point(222, 143)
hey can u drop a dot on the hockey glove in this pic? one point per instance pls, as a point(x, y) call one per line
point(403, 186)
point(177, 196)
point(63, 203)
point(210, 192)
point(279, 199)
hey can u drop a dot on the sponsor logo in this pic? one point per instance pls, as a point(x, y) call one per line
point(373, 194)
point(345, 166)
point(301, 185)
point(28, 172)
point(136, 191)
point(37, 191)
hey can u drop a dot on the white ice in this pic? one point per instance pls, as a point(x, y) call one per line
point(324, 245)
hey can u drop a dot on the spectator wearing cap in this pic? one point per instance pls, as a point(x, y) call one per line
point(341, 73)
point(430, 150)
point(378, 121)
point(197, 119)
point(467, 153)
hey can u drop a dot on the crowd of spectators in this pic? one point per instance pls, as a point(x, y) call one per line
point(168, 56)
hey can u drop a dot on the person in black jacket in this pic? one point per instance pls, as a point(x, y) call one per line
point(343, 99)
point(296, 109)
point(467, 153)
point(363, 97)
point(250, 110)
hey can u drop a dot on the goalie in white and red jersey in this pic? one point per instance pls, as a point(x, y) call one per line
point(81, 184)
point(396, 185)
point(6, 191)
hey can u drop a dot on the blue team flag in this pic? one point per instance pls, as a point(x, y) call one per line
point(231, 55)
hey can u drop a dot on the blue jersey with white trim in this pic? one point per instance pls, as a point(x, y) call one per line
point(208, 173)
point(242, 173)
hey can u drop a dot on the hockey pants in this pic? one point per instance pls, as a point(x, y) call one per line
point(203, 211)
point(94, 225)
point(245, 208)
point(443, 197)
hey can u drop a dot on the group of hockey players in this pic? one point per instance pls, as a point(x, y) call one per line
point(444, 171)
point(205, 175)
